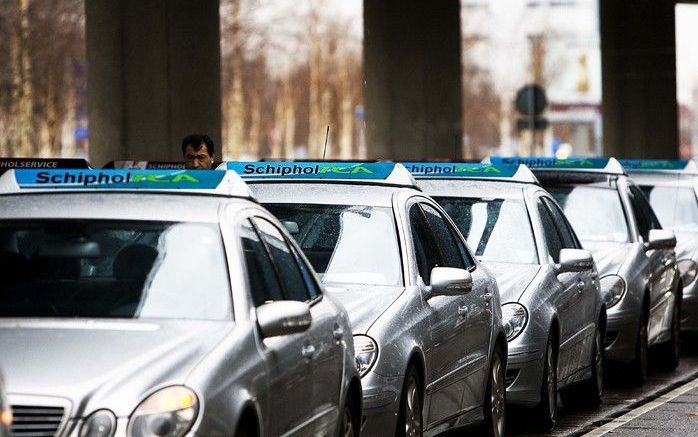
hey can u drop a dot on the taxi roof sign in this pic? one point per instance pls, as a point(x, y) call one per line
point(685, 166)
point(374, 173)
point(211, 182)
point(41, 163)
point(576, 164)
point(470, 170)
point(145, 165)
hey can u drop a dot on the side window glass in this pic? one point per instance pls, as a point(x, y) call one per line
point(306, 271)
point(552, 238)
point(294, 285)
point(646, 207)
point(453, 256)
point(264, 284)
point(641, 216)
point(563, 227)
point(425, 247)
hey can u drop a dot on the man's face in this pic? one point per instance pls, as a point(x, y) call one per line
point(198, 158)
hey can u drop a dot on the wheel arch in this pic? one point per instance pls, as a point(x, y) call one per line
point(249, 420)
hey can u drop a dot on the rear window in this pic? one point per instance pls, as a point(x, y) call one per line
point(113, 269)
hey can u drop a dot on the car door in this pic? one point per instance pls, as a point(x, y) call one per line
point(661, 266)
point(585, 312)
point(447, 354)
point(320, 348)
point(477, 316)
point(289, 372)
point(565, 299)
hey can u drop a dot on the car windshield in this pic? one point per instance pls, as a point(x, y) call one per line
point(346, 244)
point(113, 269)
point(596, 213)
point(497, 230)
point(676, 207)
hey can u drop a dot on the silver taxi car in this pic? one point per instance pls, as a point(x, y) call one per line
point(670, 186)
point(5, 410)
point(164, 303)
point(635, 257)
point(428, 336)
point(554, 317)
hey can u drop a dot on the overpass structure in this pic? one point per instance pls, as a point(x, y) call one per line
point(154, 76)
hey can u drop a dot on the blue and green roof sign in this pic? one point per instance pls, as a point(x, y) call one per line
point(553, 163)
point(120, 179)
point(459, 170)
point(654, 164)
point(312, 170)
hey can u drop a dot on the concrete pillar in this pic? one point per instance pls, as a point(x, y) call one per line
point(153, 72)
point(638, 55)
point(412, 70)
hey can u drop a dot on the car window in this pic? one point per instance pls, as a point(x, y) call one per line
point(426, 250)
point(676, 207)
point(453, 255)
point(306, 271)
point(646, 207)
point(261, 276)
point(643, 213)
point(569, 241)
point(292, 281)
point(552, 238)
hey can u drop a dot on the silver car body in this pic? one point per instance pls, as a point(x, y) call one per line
point(671, 189)
point(450, 339)
point(77, 366)
point(5, 410)
point(568, 304)
point(650, 276)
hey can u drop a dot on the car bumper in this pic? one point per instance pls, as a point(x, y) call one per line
point(621, 335)
point(524, 375)
point(381, 402)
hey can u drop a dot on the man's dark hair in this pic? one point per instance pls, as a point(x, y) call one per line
point(196, 141)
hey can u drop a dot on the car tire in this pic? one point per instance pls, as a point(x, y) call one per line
point(589, 393)
point(495, 397)
point(671, 351)
point(638, 367)
point(546, 411)
point(347, 425)
point(410, 417)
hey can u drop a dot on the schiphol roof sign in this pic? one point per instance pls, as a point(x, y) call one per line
point(457, 170)
point(365, 172)
point(41, 163)
point(597, 165)
point(145, 165)
point(667, 165)
point(191, 181)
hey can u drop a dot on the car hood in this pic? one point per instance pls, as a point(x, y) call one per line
point(608, 256)
point(512, 279)
point(364, 303)
point(686, 244)
point(94, 364)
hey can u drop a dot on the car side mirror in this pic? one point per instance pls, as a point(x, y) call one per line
point(660, 239)
point(283, 318)
point(574, 260)
point(449, 281)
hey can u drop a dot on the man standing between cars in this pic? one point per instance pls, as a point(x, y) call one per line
point(198, 152)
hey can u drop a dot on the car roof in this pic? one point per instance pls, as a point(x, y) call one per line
point(473, 188)
point(115, 206)
point(673, 179)
point(325, 194)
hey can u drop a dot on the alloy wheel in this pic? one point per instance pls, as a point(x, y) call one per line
point(348, 423)
point(413, 410)
point(598, 362)
point(498, 397)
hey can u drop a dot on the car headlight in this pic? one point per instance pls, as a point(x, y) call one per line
point(365, 353)
point(688, 270)
point(612, 289)
point(101, 423)
point(514, 317)
point(169, 412)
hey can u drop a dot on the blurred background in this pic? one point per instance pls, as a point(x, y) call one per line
point(291, 68)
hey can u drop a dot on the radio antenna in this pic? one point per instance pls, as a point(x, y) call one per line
point(327, 135)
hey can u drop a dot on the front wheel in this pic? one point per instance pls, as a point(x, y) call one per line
point(409, 423)
point(495, 398)
point(546, 411)
point(346, 428)
point(589, 393)
point(638, 367)
point(672, 349)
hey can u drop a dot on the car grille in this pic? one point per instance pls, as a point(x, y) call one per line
point(36, 421)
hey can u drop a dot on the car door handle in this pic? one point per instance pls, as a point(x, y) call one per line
point(338, 332)
point(308, 351)
point(487, 297)
point(463, 310)
point(580, 286)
